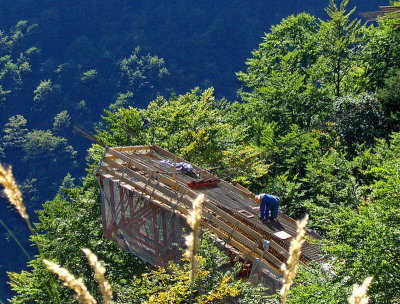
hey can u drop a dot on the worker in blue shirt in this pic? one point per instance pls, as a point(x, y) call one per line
point(269, 205)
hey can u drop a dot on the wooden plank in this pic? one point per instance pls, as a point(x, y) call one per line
point(245, 191)
point(107, 158)
point(172, 184)
point(246, 213)
point(187, 202)
point(177, 186)
point(242, 239)
point(140, 177)
point(143, 189)
point(236, 237)
point(168, 186)
point(247, 229)
point(278, 248)
point(148, 188)
point(131, 148)
point(204, 172)
point(245, 251)
point(173, 156)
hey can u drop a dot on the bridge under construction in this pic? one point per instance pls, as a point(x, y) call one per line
point(147, 192)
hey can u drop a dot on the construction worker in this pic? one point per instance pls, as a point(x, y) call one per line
point(269, 205)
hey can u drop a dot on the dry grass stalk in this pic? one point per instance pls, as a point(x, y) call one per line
point(99, 271)
point(359, 295)
point(83, 296)
point(191, 240)
point(290, 270)
point(12, 191)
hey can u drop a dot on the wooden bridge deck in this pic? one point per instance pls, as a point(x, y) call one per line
point(229, 211)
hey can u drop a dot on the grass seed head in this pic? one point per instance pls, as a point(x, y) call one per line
point(83, 296)
point(290, 270)
point(12, 191)
point(191, 240)
point(99, 271)
point(359, 294)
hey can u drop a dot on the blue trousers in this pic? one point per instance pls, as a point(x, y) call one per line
point(269, 207)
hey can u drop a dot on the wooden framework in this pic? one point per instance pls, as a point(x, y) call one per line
point(229, 211)
point(385, 12)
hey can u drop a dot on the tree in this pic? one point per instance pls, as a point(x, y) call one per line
point(340, 41)
point(62, 121)
point(289, 45)
point(65, 226)
point(15, 132)
point(381, 56)
point(43, 150)
point(362, 237)
point(244, 164)
point(318, 283)
point(301, 67)
point(359, 119)
point(279, 77)
point(89, 76)
point(141, 71)
point(123, 100)
point(194, 125)
point(44, 91)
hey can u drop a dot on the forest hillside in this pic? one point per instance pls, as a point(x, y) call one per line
point(312, 115)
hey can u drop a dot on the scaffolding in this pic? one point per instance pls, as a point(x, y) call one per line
point(145, 201)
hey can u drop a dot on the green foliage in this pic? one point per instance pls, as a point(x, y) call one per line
point(283, 90)
point(290, 46)
point(294, 156)
point(139, 71)
point(123, 100)
point(3, 94)
point(307, 130)
point(362, 238)
point(381, 56)
point(89, 76)
point(359, 119)
point(43, 150)
point(44, 146)
point(65, 226)
point(62, 121)
point(244, 164)
point(301, 67)
point(44, 91)
point(319, 284)
point(15, 132)
point(340, 40)
point(195, 125)
point(389, 97)
point(329, 185)
point(212, 284)
point(126, 127)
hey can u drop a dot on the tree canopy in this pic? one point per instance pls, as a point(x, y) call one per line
point(316, 123)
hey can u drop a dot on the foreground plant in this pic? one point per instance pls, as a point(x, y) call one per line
point(290, 270)
point(192, 240)
point(99, 270)
point(83, 296)
point(359, 295)
point(13, 194)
